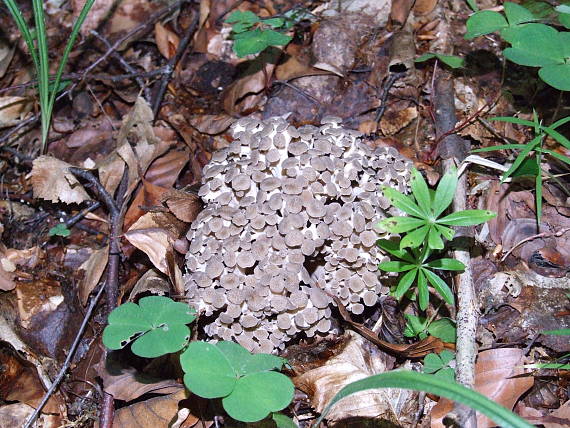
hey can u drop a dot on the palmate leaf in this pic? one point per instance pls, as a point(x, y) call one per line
point(423, 292)
point(395, 266)
point(440, 286)
point(405, 283)
point(445, 192)
point(401, 224)
point(467, 217)
point(402, 202)
point(446, 264)
point(434, 239)
point(421, 192)
point(393, 248)
point(447, 232)
point(415, 238)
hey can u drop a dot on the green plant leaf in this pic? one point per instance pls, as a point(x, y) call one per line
point(414, 325)
point(432, 385)
point(444, 328)
point(400, 224)
point(423, 291)
point(444, 192)
point(282, 421)
point(446, 264)
point(274, 22)
point(499, 147)
point(517, 14)
point(473, 5)
point(447, 374)
point(484, 22)
point(158, 322)
point(533, 45)
point(434, 239)
point(415, 238)
point(557, 76)
point(527, 168)
point(393, 248)
point(467, 217)
point(405, 283)
point(402, 202)
point(258, 394)
point(432, 363)
point(440, 286)
point(447, 232)
point(564, 19)
point(559, 332)
point(255, 41)
point(395, 266)
point(59, 229)
point(242, 21)
point(420, 191)
point(208, 372)
point(449, 60)
point(557, 136)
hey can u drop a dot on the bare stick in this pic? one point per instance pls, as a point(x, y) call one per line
point(68, 360)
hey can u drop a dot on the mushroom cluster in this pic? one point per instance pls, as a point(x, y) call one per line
point(288, 221)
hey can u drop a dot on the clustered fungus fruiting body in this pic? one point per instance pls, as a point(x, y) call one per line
point(288, 213)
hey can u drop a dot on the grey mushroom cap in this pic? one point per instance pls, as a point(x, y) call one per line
point(289, 220)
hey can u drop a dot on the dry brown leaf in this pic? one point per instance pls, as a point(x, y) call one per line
point(148, 195)
point(6, 55)
point(185, 206)
point(13, 110)
point(166, 40)
point(496, 378)
point(9, 260)
point(358, 360)
point(245, 93)
point(423, 7)
point(165, 170)
point(153, 413)
point(394, 121)
point(126, 383)
point(52, 181)
point(212, 124)
point(35, 297)
point(151, 282)
point(93, 267)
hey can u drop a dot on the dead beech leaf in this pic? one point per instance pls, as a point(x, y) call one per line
point(10, 258)
point(245, 93)
point(6, 55)
point(185, 206)
point(166, 40)
point(52, 181)
point(93, 267)
point(152, 282)
point(153, 234)
point(357, 360)
point(496, 378)
point(153, 413)
point(394, 121)
point(35, 297)
point(423, 7)
point(148, 195)
point(127, 383)
point(212, 124)
point(13, 110)
point(164, 170)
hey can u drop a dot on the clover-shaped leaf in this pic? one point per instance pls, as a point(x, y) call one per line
point(156, 326)
point(247, 384)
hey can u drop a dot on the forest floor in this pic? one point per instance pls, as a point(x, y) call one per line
point(151, 91)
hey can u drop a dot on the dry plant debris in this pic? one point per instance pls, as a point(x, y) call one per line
point(288, 212)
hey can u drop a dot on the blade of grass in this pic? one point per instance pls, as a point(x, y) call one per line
point(43, 69)
point(530, 146)
point(24, 29)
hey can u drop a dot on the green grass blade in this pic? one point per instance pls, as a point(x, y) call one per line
point(24, 29)
point(43, 70)
point(556, 155)
point(530, 146)
point(538, 189)
point(559, 332)
point(557, 136)
point(515, 120)
point(431, 384)
point(560, 122)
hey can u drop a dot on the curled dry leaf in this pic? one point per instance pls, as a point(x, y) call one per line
point(185, 206)
point(52, 181)
point(358, 360)
point(13, 110)
point(212, 124)
point(166, 40)
point(152, 413)
point(497, 376)
point(93, 267)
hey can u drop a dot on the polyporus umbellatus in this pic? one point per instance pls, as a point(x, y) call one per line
point(288, 213)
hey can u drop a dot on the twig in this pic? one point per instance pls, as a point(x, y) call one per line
point(556, 233)
point(126, 66)
point(171, 65)
point(385, 91)
point(467, 314)
point(68, 360)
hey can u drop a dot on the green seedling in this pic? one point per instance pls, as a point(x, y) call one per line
point(418, 268)
point(438, 365)
point(533, 44)
point(425, 223)
point(529, 157)
point(156, 326)
point(59, 230)
point(36, 41)
point(422, 327)
point(556, 366)
point(449, 60)
point(248, 385)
